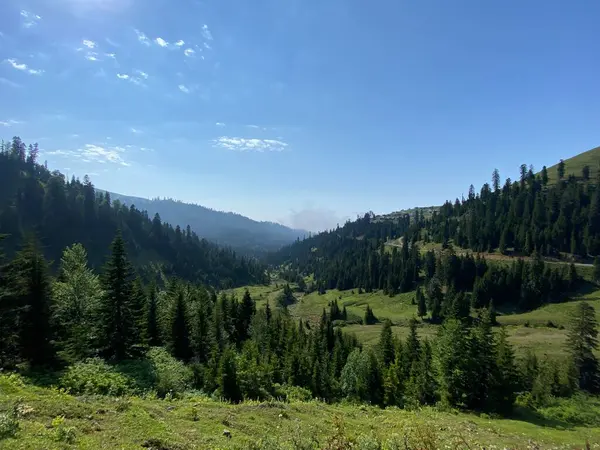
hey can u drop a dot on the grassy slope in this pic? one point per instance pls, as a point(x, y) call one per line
point(194, 422)
point(574, 165)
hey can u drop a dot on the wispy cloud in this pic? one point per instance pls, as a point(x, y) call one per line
point(92, 56)
point(110, 55)
point(9, 123)
point(250, 145)
point(136, 131)
point(111, 42)
point(184, 89)
point(9, 83)
point(93, 153)
point(88, 43)
point(160, 41)
point(132, 79)
point(142, 74)
point(189, 52)
point(207, 47)
point(180, 43)
point(220, 124)
point(23, 67)
point(30, 19)
point(206, 32)
point(142, 37)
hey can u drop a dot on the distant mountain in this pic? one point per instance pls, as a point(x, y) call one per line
point(225, 228)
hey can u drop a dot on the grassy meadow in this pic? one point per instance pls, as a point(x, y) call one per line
point(49, 419)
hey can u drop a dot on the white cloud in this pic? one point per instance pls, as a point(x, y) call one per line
point(207, 47)
point(256, 127)
point(142, 37)
point(9, 123)
point(23, 67)
point(92, 56)
point(206, 32)
point(160, 41)
point(134, 80)
point(30, 19)
point(180, 43)
point(142, 74)
point(184, 89)
point(250, 145)
point(94, 153)
point(111, 42)
point(88, 43)
point(189, 52)
point(110, 55)
point(136, 131)
point(220, 124)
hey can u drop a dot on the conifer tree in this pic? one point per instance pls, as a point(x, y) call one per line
point(560, 170)
point(77, 294)
point(179, 327)
point(152, 330)
point(386, 344)
point(596, 273)
point(421, 305)
point(228, 382)
point(31, 287)
point(119, 333)
point(505, 382)
point(246, 310)
point(582, 340)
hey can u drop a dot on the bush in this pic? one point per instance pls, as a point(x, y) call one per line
point(578, 410)
point(294, 393)
point(63, 433)
point(95, 376)
point(9, 425)
point(170, 375)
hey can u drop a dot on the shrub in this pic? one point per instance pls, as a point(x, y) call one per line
point(170, 375)
point(294, 393)
point(95, 376)
point(63, 433)
point(9, 425)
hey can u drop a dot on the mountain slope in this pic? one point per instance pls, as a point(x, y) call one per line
point(225, 228)
point(62, 212)
point(575, 164)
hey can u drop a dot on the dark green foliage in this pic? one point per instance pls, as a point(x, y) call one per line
point(179, 342)
point(64, 212)
point(421, 304)
point(386, 344)
point(286, 298)
point(152, 332)
point(30, 291)
point(228, 383)
point(596, 275)
point(581, 343)
point(369, 318)
point(120, 334)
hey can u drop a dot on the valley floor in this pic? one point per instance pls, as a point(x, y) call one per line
point(199, 423)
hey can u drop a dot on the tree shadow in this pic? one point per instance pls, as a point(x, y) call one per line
point(525, 414)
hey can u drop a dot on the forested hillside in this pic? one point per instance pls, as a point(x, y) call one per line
point(224, 228)
point(60, 212)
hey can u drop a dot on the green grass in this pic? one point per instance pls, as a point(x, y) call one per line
point(542, 331)
point(198, 423)
point(574, 165)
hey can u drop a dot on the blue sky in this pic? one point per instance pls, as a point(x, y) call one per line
point(304, 112)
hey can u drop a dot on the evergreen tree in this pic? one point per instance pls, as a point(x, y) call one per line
point(152, 327)
point(286, 298)
point(77, 294)
point(179, 327)
point(544, 176)
point(386, 344)
point(561, 170)
point(119, 333)
point(582, 340)
point(369, 318)
point(31, 286)
point(421, 305)
point(246, 310)
point(596, 274)
point(506, 381)
point(228, 382)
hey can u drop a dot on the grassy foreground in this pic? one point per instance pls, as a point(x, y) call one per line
point(50, 419)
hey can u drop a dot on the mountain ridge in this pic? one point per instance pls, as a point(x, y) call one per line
point(225, 228)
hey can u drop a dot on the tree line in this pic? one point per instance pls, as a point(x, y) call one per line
point(61, 212)
point(525, 216)
point(238, 351)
